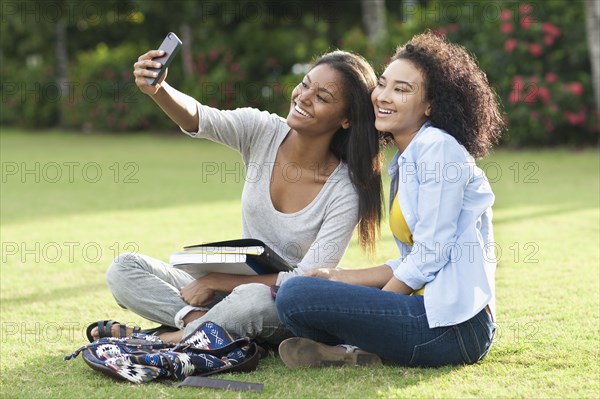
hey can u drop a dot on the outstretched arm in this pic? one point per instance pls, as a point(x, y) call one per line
point(178, 106)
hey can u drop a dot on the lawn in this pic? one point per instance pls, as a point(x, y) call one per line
point(70, 203)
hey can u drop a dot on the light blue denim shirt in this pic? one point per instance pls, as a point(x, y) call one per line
point(446, 201)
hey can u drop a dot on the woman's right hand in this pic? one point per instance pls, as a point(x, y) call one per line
point(197, 294)
point(141, 72)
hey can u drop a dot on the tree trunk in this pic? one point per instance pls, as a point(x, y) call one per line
point(373, 13)
point(62, 68)
point(593, 37)
point(186, 50)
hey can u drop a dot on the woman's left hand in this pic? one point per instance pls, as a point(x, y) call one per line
point(324, 273)
point(376, 276)
point(340, 275)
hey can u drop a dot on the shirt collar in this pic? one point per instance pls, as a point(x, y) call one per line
point(400, 157)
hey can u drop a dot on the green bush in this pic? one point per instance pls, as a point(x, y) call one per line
point(30, 95)
point(105, 96)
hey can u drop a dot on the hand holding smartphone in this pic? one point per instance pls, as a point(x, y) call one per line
point(170, 46)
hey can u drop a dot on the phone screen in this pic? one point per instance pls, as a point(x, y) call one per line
point(170, 46)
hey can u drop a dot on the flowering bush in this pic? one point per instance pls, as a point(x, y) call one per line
point(252, 53)
point(536, 57)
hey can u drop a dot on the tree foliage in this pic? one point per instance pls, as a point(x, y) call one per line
point(252, 52)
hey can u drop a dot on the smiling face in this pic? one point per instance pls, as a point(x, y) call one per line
point(400, 101)
point(318, 105)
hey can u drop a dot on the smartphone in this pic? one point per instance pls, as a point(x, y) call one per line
point(170, 46)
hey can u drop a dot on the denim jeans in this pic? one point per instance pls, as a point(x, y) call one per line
point(391, 325)
point(150, 288)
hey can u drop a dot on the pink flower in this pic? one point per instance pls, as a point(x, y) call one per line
point(544, 94)
point(517, 87)
point(575, 119)
point(550, 29)
point(525, 8)
point(576, 88)
point(506, 28)
point(535, 49)
point(551, 77)
point(510, 45)
point(441, 31)
point(506, 15)
point(453, 28)
point(548, 40)
point(517, 81)
point(571, 118)
point(234, 67)
point(526, 22)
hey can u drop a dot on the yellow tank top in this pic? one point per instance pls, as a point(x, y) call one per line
point(398, 224)
point(401, 231)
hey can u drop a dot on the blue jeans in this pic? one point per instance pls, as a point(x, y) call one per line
point(391, 325)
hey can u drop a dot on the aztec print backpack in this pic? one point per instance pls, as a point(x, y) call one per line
point(141, 358)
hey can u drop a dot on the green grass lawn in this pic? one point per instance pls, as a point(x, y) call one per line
point(70, 203)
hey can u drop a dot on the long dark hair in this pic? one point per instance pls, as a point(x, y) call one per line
point(359, 145)
point(462, 101)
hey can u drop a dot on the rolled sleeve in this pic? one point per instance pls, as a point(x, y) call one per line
point(443, 174)
point(393, 263)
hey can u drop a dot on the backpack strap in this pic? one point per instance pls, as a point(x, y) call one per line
point(249, 364)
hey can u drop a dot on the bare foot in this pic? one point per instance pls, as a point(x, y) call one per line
point(176, 336)
point(171, 337)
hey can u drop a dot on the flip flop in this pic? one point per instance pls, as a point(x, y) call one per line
point(105, 329)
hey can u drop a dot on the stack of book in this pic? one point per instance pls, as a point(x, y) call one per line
point(244, 257)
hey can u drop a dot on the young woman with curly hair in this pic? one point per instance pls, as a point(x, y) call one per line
point(435, 304)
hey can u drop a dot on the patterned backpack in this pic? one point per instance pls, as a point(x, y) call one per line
point(141, 358)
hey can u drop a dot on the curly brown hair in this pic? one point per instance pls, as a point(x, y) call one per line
point(462, 101)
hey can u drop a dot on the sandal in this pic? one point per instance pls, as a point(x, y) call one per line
point(105, 330)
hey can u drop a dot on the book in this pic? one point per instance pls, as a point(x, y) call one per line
point(244, 257)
